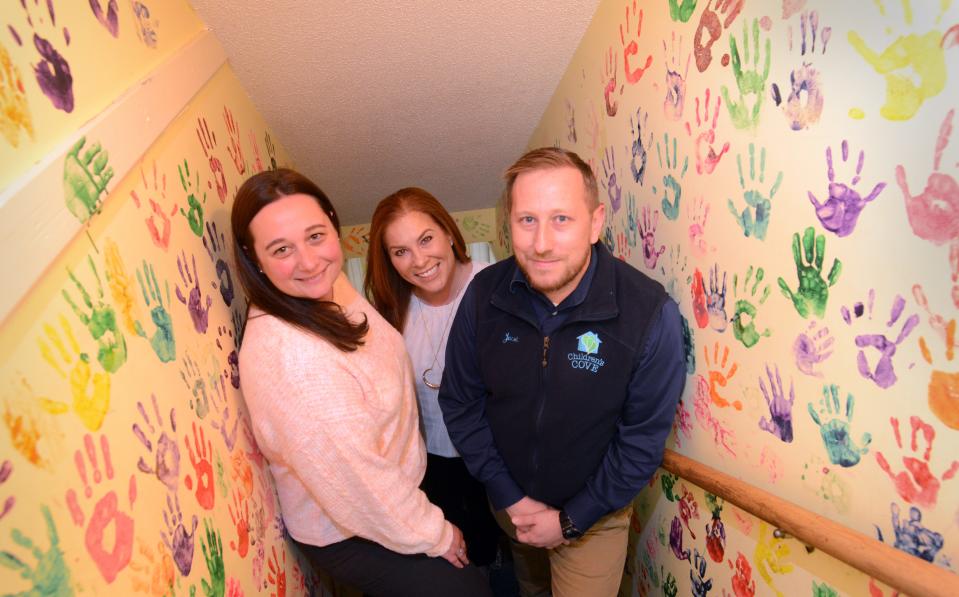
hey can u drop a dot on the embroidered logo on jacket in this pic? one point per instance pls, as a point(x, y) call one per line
point(583, 359)
point(509, 338)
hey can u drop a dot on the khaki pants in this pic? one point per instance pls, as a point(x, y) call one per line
point(591, 566)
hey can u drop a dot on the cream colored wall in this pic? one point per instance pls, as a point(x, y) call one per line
point(689, 154)
point(128, 465)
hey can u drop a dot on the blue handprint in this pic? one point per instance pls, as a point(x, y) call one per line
point(840, 446)
point(50, 575)
point(754, 218)
point(610, 183)
point(697, 576)
point(163, 341)
point(911, 536)
point(780, 422)
point(640, 154)
point(670, 182)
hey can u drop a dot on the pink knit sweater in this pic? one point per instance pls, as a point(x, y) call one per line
point(341, 433)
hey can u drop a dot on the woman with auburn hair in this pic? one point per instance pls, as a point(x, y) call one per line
point(417, 269)
point(327, 383)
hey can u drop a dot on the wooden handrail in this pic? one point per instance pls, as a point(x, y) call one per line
point(899, 570)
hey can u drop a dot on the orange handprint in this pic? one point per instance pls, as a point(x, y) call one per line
point(717, 378)
point(277, 576)
point(200, 459)
point(240, 516)
point(944, 386)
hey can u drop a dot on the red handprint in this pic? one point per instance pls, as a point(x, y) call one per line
point(105, 511)
point(611, 74)
point(236, 148)
point(158, 222)
point(709, 22)
point(917, 485)
point(632, 48)
point(201, 465)
point(277, 575)
point(699, 300)
point(241, 520)
point(688, 509)
point(744, 585)
point(257, 161)
point(208, 143)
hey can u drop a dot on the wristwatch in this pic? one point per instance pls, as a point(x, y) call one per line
point(570, 531)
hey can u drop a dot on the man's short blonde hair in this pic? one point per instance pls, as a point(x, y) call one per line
point(546, 158)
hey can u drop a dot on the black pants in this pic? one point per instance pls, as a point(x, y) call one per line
point(449, 485)
point(379, 572)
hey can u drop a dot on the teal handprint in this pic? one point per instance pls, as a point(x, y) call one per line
point(840, 446)
point(681, 10)
point(751, 82)
point(744, 318)
point(101, 322)
point(671, 183)
point(85, 179)
point(213, 553)
point(813, 291)
point(194, 216)
point(754, 218)
point(162, 341)
point(50, 577)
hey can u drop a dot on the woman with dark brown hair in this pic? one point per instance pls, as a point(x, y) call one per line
point(328, 385)
point(417, 269)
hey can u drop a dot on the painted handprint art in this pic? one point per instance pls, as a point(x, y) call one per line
point(840, 210)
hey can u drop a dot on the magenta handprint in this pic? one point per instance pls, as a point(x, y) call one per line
point(675, 82)
point(698, 211)
point(157, 222)
point(631, 48)
point(647, 231)
point(215, 244)
point(917, 484)
point(934, 213)
point(841, 210)
point(883, 374)
point(52, 70)
point(177, 539)
point(688, 509)
point(811, 348)
point(235, 149)
point(107, 18)
point(706, 157)
point(194, 302)
point(609, 78)
point(106, 513)
point(610, 180)
point(201, 460)
point(780, 422)
point(710, 25)
point(804, 104)
point(208, 144)
point(162, 446)
point(8, 503)
point(640, 148)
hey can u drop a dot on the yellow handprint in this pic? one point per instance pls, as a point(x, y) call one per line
point(90, 405)
point(120, 288)
point(770, 556)
point(30, 433)
point(14, 110)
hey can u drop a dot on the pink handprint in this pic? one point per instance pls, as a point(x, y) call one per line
point(609, 88)
point(208, 143)
point(257, 161)
point(706, 157)
point(201, 465)
point(917, 485)
point(235, 148)
point(698, 289)
point(841, 210)
point(675, 83)
point(698, 211)
point(632, 48)
point(934, 214)
point(105, 512)
point(647, 231)
point(158, 222)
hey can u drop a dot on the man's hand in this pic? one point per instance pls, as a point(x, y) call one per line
point(540, 529)
point(525, 506)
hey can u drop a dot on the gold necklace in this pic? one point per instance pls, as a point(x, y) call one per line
point(429, 338)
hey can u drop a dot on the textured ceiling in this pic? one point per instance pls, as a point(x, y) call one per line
point(372, 96)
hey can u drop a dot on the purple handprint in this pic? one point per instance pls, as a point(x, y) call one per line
point(841, 210)
point(647, 231)
point(194, 301)
point(884, 374)
point(232, 360)
point(166, 465)
point(177, 539)
point(52, 71)
point(676, 539)
point(8, 503)
point(716, 301)
point(214, 248)
point(613, 189)
point(108, 19)
point(780, 422)
point(640, 150)
point(222, 406)
point(811, 348)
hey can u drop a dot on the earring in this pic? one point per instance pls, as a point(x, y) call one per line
point(451, 242)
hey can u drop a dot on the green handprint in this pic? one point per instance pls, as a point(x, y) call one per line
point(85, 179)
point(744, 319)
point(671, 208)
point(835, 431)
point(163, 341)
point(669, 585)
point(750, 82)
point(681, 10)
point(193, 378)
point(754, 219)
point(213, 553)
point(668, 481)
point(195, 215)
point(101, 322)
point(813, 291)
point(823, 590)
point(50, 577)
